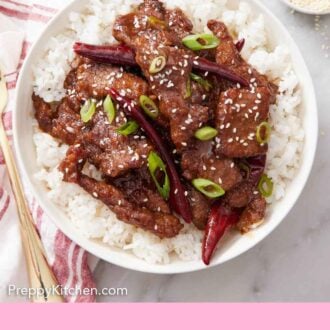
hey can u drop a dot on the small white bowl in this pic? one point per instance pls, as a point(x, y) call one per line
point(305, 10)
point(233, 245)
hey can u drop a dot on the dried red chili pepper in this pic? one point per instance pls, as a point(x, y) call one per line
point(178, 200)
point(240, 44)
point(113, 54)
point(123, 55)
point(257, 168)
point(220, 219)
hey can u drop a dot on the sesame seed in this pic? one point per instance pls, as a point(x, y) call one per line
point(95, 194)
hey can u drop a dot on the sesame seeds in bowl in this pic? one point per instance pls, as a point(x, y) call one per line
point(312, 7)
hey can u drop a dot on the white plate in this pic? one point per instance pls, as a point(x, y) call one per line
point(233, 245)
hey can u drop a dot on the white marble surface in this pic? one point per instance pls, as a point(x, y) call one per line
point(292, 264)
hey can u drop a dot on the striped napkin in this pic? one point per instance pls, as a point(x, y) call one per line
point(21, 21)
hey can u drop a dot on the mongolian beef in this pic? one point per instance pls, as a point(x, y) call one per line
point(176, 123)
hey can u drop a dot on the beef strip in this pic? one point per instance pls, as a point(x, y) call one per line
point(112, 153)
point(241, 195)
point(161, 224)
point(178, 24)
point(228, 55)
point(58, 120)
point(200, 207)
point(153, 8)
point(138, 186)
point(237, 117)
point(201, 163)
point(127, 27)
point(252, 215)
point(95, 80)
point(151, 14)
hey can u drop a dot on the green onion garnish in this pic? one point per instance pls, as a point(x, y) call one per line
point(149, 106)
point(155, 164)
point(129, 128)
point(263, 133)
point(157, 64)
point(154, 21)
point(206, 133)
point(265, 186)
point(201, 41)
point(246, 168)
point(200, 81)
point(208, 188)
point(87, 111)
point(109, 109)
point(188, 89)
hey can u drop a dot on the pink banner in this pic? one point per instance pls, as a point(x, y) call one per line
point(166, 316)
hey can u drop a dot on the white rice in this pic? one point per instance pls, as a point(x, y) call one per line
point(94, 25)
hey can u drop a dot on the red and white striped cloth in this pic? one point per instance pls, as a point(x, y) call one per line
point(69, 262)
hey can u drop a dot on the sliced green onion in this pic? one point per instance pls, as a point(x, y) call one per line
point(129, 128)
point(109, 109)
point(87, 111)
point(157, 64)
point(246, 168)
point(201, 41)
point(149, 106)
point(263, 132)
point(154, 21)
point(156, 164)
point(188, 89)
point(208, 188)
point(265, 186)
point(200, 81)
point(206, 133)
